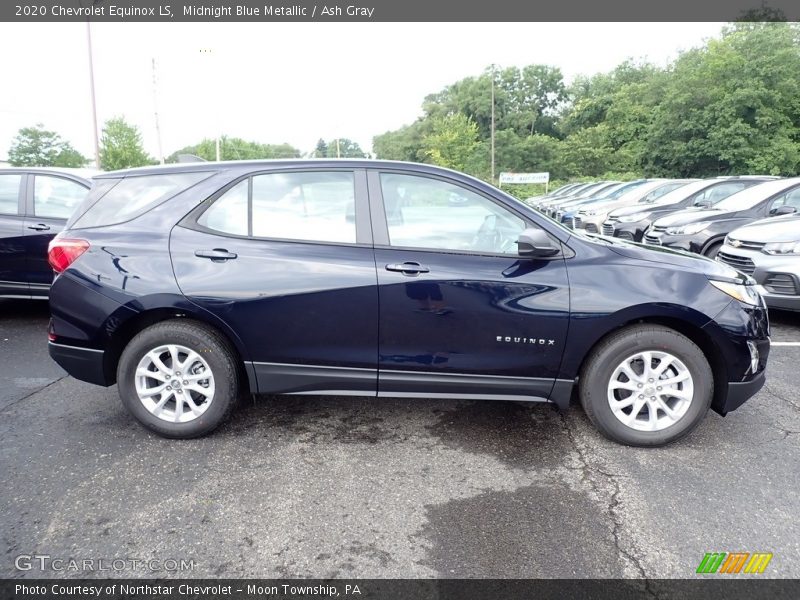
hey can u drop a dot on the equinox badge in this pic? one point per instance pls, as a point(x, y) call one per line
point(525, 340)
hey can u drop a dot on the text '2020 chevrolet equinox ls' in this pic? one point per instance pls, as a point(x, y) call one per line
point(188, 285)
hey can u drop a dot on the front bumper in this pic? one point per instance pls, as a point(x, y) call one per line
point(741, 391)
point(627, 231)
point(591, 223)
point(688, 243)
point(85, 364)
point(741, 334)
point(778, 277)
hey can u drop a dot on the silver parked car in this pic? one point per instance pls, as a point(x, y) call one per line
point(769, 251)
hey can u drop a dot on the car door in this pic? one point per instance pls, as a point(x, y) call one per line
point(286, 260)
point(50, 200)
point(460, 312)
point(12, 246)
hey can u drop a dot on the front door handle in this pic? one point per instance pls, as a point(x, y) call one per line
point(216, 255)
point(409, 268)
point(39, 227)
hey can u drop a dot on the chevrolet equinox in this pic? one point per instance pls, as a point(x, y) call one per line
point(189, 285)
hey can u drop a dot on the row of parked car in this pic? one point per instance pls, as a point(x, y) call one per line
point(750, 222)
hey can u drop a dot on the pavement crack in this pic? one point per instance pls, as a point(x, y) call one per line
point(775, 394)
point(613, 503)
point(36, 391)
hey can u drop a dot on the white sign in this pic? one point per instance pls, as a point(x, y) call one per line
point(524, 177)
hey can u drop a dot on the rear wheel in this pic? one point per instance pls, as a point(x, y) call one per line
point(178, 378)
point(646, 385)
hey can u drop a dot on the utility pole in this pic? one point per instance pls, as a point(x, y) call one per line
point(492, 124)
point(94, 101)
point(155, 112)
point(338, 152)
point(215, 75)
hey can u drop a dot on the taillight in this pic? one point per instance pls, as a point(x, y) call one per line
point(63, 252)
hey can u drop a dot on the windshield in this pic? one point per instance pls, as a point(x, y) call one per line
point(755, 194)
point(682, 192)
point(600, 189)
point(623, 189)
point(658, 194)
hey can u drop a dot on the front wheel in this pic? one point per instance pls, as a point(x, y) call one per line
point(178, 378)
point(646, 385)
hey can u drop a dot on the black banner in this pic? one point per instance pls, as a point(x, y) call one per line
point(394, 10)
point(733, 588)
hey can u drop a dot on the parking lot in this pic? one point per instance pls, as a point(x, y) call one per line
point(343, 487)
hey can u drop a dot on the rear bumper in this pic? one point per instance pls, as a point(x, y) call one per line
point(741, 391)
point(85, 364)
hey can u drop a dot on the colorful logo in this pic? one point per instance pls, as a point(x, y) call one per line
point(733, 563)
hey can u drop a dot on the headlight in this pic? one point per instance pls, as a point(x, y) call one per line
point(690, 229)
point(743, 293)
point(782, 248)
point(634, 217)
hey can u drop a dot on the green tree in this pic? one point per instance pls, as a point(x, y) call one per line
point(321, 150)
point(732, 107)
point(121, 146)
point(38, 147)
point(233, 148)
point(339, 148)
point(401, 144)
point(451, 141)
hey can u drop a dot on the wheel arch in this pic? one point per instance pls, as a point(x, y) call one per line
point(695, 333)
point(126, 331)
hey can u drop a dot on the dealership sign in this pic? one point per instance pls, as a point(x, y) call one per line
point(524, 177)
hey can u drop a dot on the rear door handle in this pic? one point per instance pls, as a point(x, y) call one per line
point(408, 268)
point(39, 227)
point(216, 255)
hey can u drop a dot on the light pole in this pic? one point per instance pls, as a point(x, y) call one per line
point(492, 133)
point(94, 101)
point(215, 73)
point(155, 113)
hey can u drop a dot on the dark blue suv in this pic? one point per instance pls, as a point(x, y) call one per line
point(192, 284)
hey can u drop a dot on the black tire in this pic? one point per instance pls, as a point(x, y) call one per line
point(713, 250)
point(209, 344)
point(611, 352)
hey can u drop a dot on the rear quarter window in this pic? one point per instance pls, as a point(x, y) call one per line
point(113, 201)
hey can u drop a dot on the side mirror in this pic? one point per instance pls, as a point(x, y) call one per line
point(783, 210)
point(533, 243)
point(703, 203)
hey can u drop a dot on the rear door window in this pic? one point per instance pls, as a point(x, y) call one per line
point(315, 206)
point(9, 194)
point(56, 197)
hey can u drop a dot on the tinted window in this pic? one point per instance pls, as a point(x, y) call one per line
point(9, 194)
point(133, 196)
point(56, 197)
point(314, 206)
point(432, 214)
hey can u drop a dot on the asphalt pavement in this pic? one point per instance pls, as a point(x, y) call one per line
point(349, 487)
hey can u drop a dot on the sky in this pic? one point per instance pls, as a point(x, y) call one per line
point(285, 82)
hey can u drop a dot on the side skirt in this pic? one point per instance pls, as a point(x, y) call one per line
point(285, 378)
